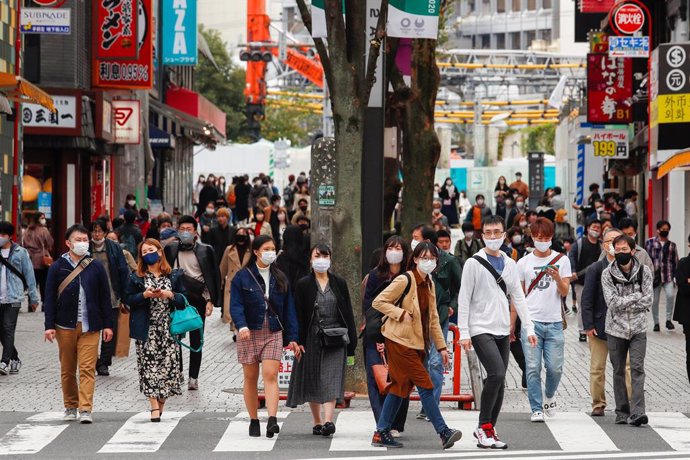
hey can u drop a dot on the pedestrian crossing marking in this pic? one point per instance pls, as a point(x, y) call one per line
point(31, 438)
point(236, 437)
point(576, 431)
point(354, 432)
point(465, 421)
point(139, 434)
point(673, 427)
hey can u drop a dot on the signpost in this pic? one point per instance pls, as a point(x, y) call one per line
point(632, 47)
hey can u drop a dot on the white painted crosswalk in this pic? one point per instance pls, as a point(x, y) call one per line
point(567, 433)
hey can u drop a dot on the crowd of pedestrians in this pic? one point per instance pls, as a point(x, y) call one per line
point(247, 251)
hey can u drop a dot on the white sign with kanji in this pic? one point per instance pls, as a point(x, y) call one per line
point(65, 115)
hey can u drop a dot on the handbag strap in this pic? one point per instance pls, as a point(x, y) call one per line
point(14, 270)
point(499, 279)
point(83, 263)
point(536, 280)
point(266, 299)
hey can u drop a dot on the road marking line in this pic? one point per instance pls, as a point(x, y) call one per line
point(577, 432)
point(31, 438)
point(354, 432)
point(139, 434)
point(522, 454)
point(673, 427)
point(236, 437)
point(465, 421)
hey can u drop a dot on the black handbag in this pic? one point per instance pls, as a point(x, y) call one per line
point(330, 337)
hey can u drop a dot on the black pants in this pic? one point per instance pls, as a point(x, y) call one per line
point(493, 352)
point(194, 342)
point(516, 347)
point(108, 348)
point(686, 330)
point(41, 275)
point(8, 325)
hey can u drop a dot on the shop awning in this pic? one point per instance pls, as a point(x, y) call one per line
point(194, 128)
point(159, 139)
point(198, 106)
point(20, 90)
point(680, 159)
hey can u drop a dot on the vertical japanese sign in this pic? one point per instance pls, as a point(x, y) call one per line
point(179, 30)
point(609, 89)
point(413, 18)
point(115, 29)
point(111, 70)
point(670, 98)
point(535, 161)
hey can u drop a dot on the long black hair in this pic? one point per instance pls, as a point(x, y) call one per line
point(384, 267)
point(422, 248)
point(281, 279)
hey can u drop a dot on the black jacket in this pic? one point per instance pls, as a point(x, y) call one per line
point(118, 268)
point(207, 263)
point(592, 302)
point(682, 311)
point(305, 298)
point(221, 238)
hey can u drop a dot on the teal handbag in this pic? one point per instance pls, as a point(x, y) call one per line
point(187, 320)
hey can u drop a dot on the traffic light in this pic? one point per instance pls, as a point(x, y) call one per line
point(255, 115)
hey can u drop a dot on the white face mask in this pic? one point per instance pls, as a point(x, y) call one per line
point(281, 217)
point(268, 257)
point(98, 242)
point(494, 245)
point(517, 239)
point(523, 224)
point(469, 235)
point(427, 266)
point(520, 204)
point(594, 234)
point(542, 246)
point(612, 250)
point(131, 202)
point(321, 264)
point(480, 202)
point(394, 256)
point(210, 211)
point(80, 248)
point(42, 222)
point(414, 244)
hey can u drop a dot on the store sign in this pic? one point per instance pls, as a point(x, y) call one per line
point(52, 3)
point(45, 21)
point(64, 117)
point(413, 18)
point(45, 204)
point(609, 89)
point(672, 104)
point(633, 47)
point(127, 121)
point(112, 68)
point(610, 144)
point(596, 6)
point(115, 29)
point(179, 32)
point(628, 18)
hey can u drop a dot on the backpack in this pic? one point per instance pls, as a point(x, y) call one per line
point(374, 319)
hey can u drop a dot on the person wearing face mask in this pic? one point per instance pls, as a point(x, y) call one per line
point(129, 233)
point(234, 258)
point(260, 227)
point(39, 242)
point(409, 329)
point(478, 213)
point(467, 246)
point(664, 254)
point(271, 214)
point(302, 210)
point(629, 227)
point(322, 300)
point(201, 281)
point(222, 234)
point(302, 193)
point(393, 259)
point(208, 221)
point(209, 194)
point(520, 186)
point(130, 205)
point(78, 306)
point(490, 282)
point(545, 276)
point(438, 220)
point(508, 211)
point(563, 230)
point(110, 255)
point(682, 311)
point(501, 192)
point(517, 242)
point(627, 287)
point(520, 204)
point(449, 200)
point(584, 252)
point(263, 310)
point(153, 292)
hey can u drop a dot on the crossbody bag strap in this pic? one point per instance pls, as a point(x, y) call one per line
point(268, 303)
point(536, 280)
point(499, 279)
point(14, 270)
point(73, 274)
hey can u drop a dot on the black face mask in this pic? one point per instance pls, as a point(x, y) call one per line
point(240, 239)
point(303, 209)
point(663, 233)
point(623, 258)
point(304, 227)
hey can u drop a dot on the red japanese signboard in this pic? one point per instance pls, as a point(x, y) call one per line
point(609, 89)
point(596, 6)
point(115, 29)
point(628, 18)
point(121, 72)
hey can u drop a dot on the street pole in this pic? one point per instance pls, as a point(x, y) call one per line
point(16, 180)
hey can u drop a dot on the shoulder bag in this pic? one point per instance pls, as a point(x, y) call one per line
point(330, 337)
point(535, 282)
point(186, 320)
point(14, 270)
point(47, 259)
point(83, 263)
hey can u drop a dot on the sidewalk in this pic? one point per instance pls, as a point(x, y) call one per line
point(37, 387)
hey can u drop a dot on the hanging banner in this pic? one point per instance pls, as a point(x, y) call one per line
point(609, 89)
point(179, 32)
point(318, 19)
point(596, 6)
point(134, 73)
point(413, 18)
point(115, 29)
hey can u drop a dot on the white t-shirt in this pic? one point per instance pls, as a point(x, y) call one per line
point(4, 295)
point(544, 302)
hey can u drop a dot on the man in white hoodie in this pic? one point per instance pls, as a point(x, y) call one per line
point(488, 280)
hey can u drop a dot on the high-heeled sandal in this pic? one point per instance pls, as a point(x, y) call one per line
point(156, 419)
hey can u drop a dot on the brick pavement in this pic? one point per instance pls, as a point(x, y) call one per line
point(37, 387)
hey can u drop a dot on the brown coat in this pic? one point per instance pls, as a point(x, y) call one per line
point(229, 266)
point(407, 333)
point(38, 241)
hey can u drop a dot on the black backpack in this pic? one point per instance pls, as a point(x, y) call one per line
point(374, 318)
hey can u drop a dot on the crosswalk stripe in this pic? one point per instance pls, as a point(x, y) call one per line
point(236, 437)
point(465, 421)
point(139, 434)
point(354, 432)
point(577, 431)
point(31, 438)
point(673, 427)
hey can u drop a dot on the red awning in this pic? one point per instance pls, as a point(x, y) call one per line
point(198, 106)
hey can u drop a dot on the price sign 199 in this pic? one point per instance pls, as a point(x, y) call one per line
point(608, 149)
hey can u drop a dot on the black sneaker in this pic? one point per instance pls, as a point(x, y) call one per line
point(317, 430)
point(328, 429)
point(621, 420)
point(272, 427)
point(449, 437)
point(254, 428)
point(656, 328)
point(670, 326)
point(638, 420)
point(574, 308)
point(102, 370)
point(384, 439)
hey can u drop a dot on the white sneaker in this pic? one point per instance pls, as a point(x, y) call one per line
point(395, 433)
point(485, 438)
point(85, 417)
point(70, 415)
point(537, 417)
point(550, 407)
point(498, 444)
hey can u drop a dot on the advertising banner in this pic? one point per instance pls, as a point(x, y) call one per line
point(45, 21)
point(115, 29)
point(64, 117)
point(610, 143)
point(318, 19)
point(179, 32)
point(127, 121)
point(609, 89)
point(596, 6)
point(413, 18)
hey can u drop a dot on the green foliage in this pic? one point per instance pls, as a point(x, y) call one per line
point(501, 140)
point(539, 138)
point(294, 123)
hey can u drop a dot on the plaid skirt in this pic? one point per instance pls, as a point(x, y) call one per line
point(261, 345)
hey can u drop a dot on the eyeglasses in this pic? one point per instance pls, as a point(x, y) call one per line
point(496, 233)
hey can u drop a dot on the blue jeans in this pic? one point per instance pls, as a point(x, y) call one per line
point(669, 293)
point(434, 365)
point(376, 400)
point(392, 404)
point(550, 345)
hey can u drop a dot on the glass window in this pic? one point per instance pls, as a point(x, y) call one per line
point(501, 6)
point(531, 5)
point(546, 4)
point(517, 5)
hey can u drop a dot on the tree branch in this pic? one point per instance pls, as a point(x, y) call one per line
point(375, 45)
point(393, 73)
point(318, 43)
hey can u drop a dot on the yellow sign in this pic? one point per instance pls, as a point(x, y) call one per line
point(673, 108)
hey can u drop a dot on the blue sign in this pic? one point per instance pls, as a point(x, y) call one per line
point(179, 31)
point(628, 46)
point(45, 204)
